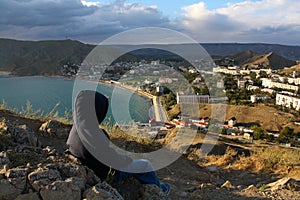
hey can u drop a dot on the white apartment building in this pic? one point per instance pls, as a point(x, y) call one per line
point(288, 101)
point(268, 83)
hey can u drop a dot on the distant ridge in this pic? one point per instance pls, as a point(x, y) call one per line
point(249, 59)
point(47, 57)
point(225, 49)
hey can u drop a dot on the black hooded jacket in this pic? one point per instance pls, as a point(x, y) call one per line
point(90, 109)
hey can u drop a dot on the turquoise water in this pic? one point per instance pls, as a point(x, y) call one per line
point(45, 92)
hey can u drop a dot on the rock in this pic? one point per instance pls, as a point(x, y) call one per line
point(203, 176)
point(102, 191)
point(91, 177)
point(7, 190)
point(294, 185)
point(17, 177)
point(130, 188)
point(77, 181)
point(6, 126)
point(250, 188)
point(212, 168)
point(285, 182)
point(54, 129)
point(50, 151)
point(42, 177)
point(241, 187)
point(29, 196)
point(182, 194)
point(61, 190)
point(4, 160)
point(23, 135)
point(152, 192)
point(71, 170)
point(219, 181)
point(227, 185)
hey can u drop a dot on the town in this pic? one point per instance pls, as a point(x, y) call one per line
point(167, 80)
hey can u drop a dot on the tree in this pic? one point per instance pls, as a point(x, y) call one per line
point(258, 132)
point(224, 131)
point(263, 74)
point(285, 135)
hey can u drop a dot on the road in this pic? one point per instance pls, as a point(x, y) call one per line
point(159, 111)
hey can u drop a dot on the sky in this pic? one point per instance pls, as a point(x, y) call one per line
point(205, 21)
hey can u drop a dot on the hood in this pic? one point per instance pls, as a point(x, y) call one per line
point(84, 101)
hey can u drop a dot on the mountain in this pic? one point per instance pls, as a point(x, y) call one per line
point(250, 59)
point(224, 49)
point(40, 57)
point(48, 57)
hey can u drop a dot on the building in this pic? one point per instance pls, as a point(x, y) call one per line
point(156, 62)
point(220, 84)
point(232, 121)
point(288, 100)
point(241, 83)
point(192, 99)
point(255, 98)
point(269, 83)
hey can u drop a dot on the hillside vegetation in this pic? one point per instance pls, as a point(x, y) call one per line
point(40, 57)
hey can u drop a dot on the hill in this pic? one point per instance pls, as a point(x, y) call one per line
point(40, 57)
point(253, 60)
point(35, 165)
point(225, 49)
point(47, 57)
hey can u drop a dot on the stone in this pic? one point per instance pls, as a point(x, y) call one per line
point(6, 126)
point(227, 185)
point(91, 177)
point(102, 191)
point(29, 196)
point(4, 160)
point(153, 192)
point(130, 188)
point(279, 184)
point(250, 188)
point(7, 190)
point(54, 128)
point(23, 135)
point(61, 190)
point(72, 170)
point(212, 168)
point(17, 177)
point(77, 181)
point(50, 151)
point(42, 177)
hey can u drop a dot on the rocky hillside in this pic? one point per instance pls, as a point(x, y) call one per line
point(253, 60)
point(35, 165)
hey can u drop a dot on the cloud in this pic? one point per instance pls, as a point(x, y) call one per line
point(247, 21)
point(86, 21)
point(270, 21)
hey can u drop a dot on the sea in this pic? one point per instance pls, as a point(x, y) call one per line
point(54, 94)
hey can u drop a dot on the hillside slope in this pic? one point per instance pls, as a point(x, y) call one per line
point(253, 60)
point(46, 171)
point(40, 57)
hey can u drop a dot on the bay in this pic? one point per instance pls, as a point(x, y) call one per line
point(46, 92)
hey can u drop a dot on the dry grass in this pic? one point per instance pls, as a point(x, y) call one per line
point(266, 116)
point(132, 139)
point(268, 160)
